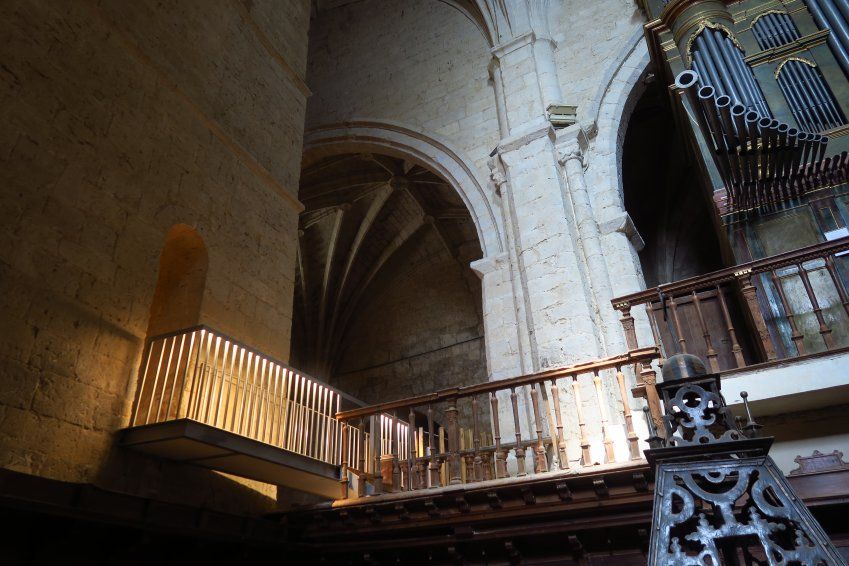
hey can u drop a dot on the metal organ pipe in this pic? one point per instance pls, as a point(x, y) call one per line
point(725, 74)
point(837, 40)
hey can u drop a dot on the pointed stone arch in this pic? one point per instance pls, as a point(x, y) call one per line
point(428, 150)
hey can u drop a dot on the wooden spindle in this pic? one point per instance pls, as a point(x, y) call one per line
point(520, 450)
point(582, 423)
point(729, 325)
point(433, 461)
point(838, 283)
point(343, 468)
point(376, 447)
point(825, 331)
point(633, 446)
point(540, 461)
point(796, 336)
point(477, 465)
point(562, 455)
point(682, 342)
point(628, 327)
point(454, 472)
point(412, 478)
point(500, 458)
point(605, 417)
point(713, 358)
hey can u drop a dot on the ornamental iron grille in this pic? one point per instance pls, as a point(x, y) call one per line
point(719, 497)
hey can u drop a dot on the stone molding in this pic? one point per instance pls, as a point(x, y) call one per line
point(487, 265)
point(624, 225)
point(572, 144)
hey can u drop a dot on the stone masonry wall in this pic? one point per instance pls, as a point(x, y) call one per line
point(122, 119)
point(420, 63)
point(422, 332)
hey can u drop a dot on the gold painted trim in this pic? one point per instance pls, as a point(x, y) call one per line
point(775, 53)
point(807, 62)
point(704, 24)
point(761, 15)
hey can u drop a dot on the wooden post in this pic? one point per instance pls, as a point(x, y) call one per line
point(605, 417)
point(729, 325)
point(796, 336)
point(629, 419)
point(712, 356)
point(520, 450)
point(825, 331)
point(454, 472)
point(476, 442)
point(500, 458)
point(343, 469)
point(432, 461)
point(540, 461)
point(582, 423)
point(562, 455)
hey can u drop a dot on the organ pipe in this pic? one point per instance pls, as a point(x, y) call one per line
point(761, 160)
point(834, 15)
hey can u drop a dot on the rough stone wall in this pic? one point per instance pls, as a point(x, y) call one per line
point(422, 332)
point(122, 119)
point(430, 71)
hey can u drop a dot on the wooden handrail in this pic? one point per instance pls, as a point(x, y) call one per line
point(777, 261)
point(632, 357)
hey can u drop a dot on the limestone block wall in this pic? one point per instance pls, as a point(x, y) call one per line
point(121, 120)
point(423, 64)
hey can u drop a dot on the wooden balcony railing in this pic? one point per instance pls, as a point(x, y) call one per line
point(784, 306)
point(458, 435)
point(204, 376)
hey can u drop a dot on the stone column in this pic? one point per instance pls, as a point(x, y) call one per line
point(571, 146)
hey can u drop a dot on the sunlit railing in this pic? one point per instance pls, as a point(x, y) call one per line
point(788, 305)
point(573, 417)
point(205, 376)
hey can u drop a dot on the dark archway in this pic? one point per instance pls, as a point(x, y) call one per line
point(664, 196)
point(386, 304)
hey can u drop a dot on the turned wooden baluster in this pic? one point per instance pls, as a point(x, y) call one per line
point(582, 424)
point(433, 461)
point(796, 336)
point(500, 457)
point(562, 456)
point(729, 325)
point(838, 284)
point(713, 358)
point(343, 468)
point(629, 419)
point(825, 331)
point(646, 377)
point(605, 417)
point(395, 448)
point(520, 451)
point(682, 342)
point(412, 479)
point(376, 447)
point(476, 442)
point(454, 473)
point(744, 279)
point(540, 461)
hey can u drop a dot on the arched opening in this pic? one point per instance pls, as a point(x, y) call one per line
point(664, 197)
point(672, 211)
point(386, 305)
point(177, 299)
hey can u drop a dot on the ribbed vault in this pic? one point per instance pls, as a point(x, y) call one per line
point(366, 218)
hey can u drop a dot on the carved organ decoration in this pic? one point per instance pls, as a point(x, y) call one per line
point(719, 497)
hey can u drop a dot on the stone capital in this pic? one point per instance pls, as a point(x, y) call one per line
point(486, 265)
point(571, 144)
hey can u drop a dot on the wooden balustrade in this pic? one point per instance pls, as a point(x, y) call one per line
point(783, 306)
point(454, 436)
